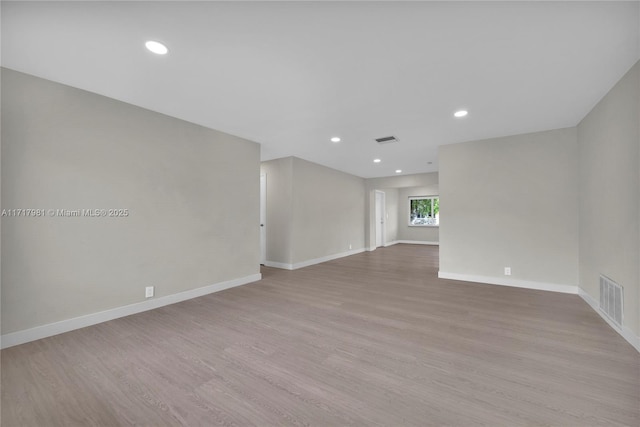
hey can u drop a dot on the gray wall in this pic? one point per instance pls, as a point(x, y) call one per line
point(403, 181)
point(318, 211)
point(406, 232)
point(192, 194)
point(513, 202)
point(609, 187)
point(327, 206)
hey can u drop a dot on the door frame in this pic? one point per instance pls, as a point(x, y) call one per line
point(380, 195)
point(263, 218)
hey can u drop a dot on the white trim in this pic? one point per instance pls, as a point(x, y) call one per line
point(314, 261)
point(27, 335)
point(372, 248)
point(282, 265)
point(383, 216)
point(411, 242)
point(326, 258)
point(418, 242)
point(263, 218)
point(625, 332)
point(433, 196)
point(541, 286)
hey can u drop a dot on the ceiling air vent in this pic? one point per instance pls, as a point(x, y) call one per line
point(386, 140)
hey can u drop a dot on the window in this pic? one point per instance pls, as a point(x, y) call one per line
point(424, 211)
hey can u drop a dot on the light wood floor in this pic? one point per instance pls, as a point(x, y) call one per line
point(372, 339)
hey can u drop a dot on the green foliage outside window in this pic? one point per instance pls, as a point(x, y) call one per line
point(424, 211)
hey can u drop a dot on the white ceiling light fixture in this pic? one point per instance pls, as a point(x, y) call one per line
point(398, 170)
point(461, 113)
point(376, 160)
point(335, 139)
point(156, 47)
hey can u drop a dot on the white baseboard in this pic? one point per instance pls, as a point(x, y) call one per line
point(625, 332)
point(281, 265)
point(372, 248)
point(326, 258)
point(553, 287)
point(27, 335)
point(411, 242)
point(417, 242)
point(312, 261)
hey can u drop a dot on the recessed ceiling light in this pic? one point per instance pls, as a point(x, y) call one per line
point(335, 139)
point(398, 170)
point(376, 160)
point(461, 113)
point(156, 47)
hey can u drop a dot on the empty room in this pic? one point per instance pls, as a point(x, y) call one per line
point(320, 213)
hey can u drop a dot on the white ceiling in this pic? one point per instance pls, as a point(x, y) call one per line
point(290, 75)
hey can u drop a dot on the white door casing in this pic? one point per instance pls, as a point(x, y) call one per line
point(380, 216)
point(263, 218)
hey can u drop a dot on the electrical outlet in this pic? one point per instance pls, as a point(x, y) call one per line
point(349, 245)
point(507, 271)
point(148, 292)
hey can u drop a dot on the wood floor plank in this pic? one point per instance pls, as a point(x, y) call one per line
point(371, 339)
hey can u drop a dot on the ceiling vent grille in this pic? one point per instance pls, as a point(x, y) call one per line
point(611, 300)
point(386, 140)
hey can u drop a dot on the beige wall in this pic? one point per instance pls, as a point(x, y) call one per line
point(318, 211)
point(513, 202)
point(192, 194)
point(609, 187)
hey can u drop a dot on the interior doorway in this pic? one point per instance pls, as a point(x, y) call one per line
point(263, 218)
point(380, 219)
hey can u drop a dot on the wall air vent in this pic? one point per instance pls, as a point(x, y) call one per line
point(611, 300)
point(386, 140)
